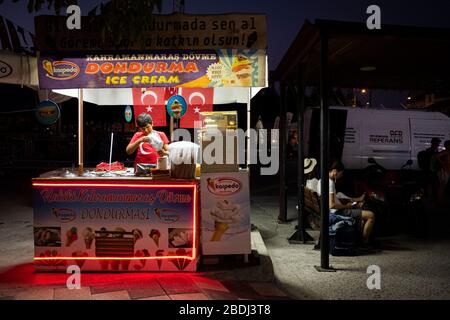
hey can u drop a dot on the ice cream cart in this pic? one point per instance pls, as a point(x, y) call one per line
point(123, 222)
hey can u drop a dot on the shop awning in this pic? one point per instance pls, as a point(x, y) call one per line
point(395, 57)
point(16, 68)
point(124, 96)
point(348, 55)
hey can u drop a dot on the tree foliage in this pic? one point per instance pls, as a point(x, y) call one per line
point(115, 17)
point(36, 5)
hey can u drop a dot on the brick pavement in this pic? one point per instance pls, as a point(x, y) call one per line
point(22, 283)
point(231, 279)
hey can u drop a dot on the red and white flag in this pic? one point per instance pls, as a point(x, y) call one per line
point(198, 100)
point(169, 92)
point(150, 101)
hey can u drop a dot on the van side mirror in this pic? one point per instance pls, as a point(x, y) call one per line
point(371, 160)
point(409, 162)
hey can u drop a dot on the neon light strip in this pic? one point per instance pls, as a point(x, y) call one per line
point(194, 224)
point(46, 184)
point(194, 210)
point(114, 258)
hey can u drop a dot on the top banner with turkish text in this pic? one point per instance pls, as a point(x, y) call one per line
point(163, 32)
point(199, 69)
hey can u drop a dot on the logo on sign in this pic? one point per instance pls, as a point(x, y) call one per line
point(5, 69)
point(176, 106)
point(47, 112)
point(128, 114)
point(64, 215)
point(167, 215)
point(60, 70)
point(223, 186)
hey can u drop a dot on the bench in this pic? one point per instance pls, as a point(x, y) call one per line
point(312, 206)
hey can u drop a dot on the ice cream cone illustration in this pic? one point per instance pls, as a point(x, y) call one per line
point(155, 235)
point(125, 264)
point(51, 262)
point(137, 234)
point(243, 69)
point(211, 184)
point(245, 80)
point(71, 236)
point(80, 262)
point(115, 265)
point(219, 229)
point(180, 263)
point(48, 66)
point(224, 214)
point(139, 253)
point(89, 236)
point(176, 109)
point(104, 264)
point(158, 212)
point(159, 253)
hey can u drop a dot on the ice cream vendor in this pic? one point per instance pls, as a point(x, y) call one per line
point(149, 143)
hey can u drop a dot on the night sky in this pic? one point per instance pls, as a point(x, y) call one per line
point(284, 17)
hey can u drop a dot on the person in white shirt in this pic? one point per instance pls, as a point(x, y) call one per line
point(366, 217)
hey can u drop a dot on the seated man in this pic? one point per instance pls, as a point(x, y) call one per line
point(366, 217)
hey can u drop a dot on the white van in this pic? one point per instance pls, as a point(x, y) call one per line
point(391, 137)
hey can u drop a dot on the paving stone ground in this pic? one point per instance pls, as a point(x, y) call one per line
point(143, 286)
point(412, 268)
point(19, 281)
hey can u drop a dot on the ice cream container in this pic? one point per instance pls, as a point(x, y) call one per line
point(163, 163)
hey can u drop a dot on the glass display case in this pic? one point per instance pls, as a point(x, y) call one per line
point(219, 141)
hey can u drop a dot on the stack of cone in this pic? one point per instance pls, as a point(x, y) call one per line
point(159, 253)
point(155, 235)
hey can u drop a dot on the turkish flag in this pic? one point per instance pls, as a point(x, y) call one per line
point(150, 101)
point(169, 92)
point(198, 100)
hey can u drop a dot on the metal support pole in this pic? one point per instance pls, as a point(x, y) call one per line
point(324, 157)
point(249, 147)
point(300, 236)
point(282, 217)
point(80, 132)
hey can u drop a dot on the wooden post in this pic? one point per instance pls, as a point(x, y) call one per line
point(324, 158)
point(80, 132)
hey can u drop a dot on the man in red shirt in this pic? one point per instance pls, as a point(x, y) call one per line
point(150, 144)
